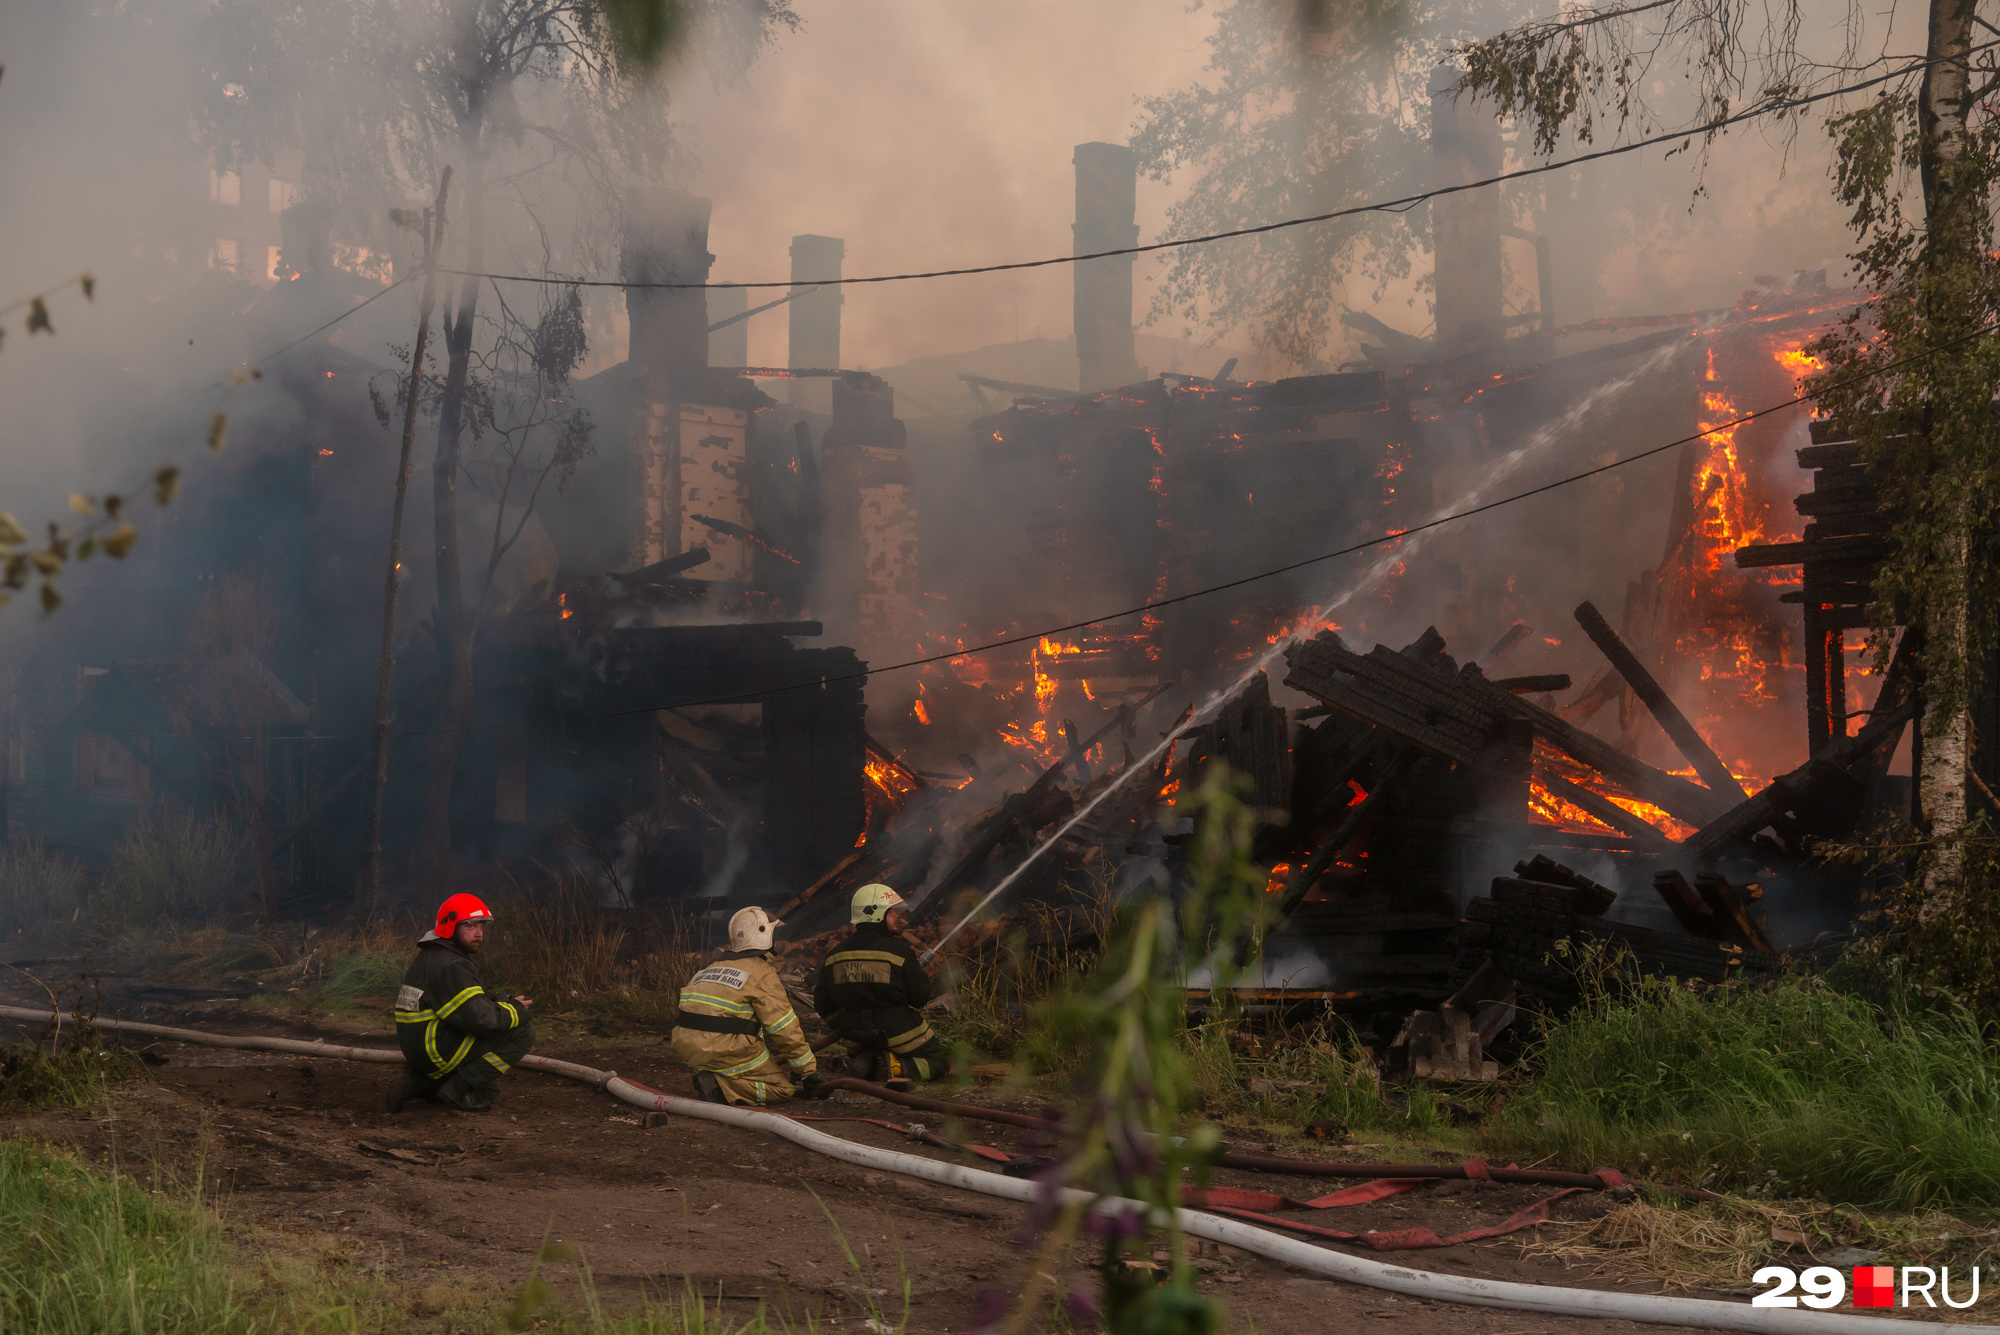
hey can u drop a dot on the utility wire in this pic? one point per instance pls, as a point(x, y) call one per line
point(1393, 536)
point(1384, 206)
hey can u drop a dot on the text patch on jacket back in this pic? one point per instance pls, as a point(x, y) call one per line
point(723, 974)
point(861, 971)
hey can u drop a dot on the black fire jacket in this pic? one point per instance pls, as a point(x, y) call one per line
point(443, 1008)
point(871, 987)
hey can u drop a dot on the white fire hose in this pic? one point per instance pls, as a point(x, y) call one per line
point(1589, 1303)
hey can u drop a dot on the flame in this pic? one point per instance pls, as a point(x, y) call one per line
point(1547, 808)
point(562, 601)
point(1279, 874)
point(923, 715)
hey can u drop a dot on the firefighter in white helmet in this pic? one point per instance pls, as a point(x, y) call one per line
point(872, 990)
point(736, 1026)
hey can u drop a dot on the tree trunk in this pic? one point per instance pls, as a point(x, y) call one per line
point(368, 886)
point(1952, 218)
point(451, 626)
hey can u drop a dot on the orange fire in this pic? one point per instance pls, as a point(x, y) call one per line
point(1279, 875)
point(562, 601)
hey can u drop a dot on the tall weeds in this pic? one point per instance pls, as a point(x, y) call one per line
point(1791, 1087)
point(171, 867)
point(37, 886)
point(560, 948)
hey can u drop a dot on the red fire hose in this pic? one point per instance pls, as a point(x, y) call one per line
point(1476, 1170)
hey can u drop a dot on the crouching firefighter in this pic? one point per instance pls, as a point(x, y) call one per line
point(458, 1037)
point(872, 990)
point(737, 1028)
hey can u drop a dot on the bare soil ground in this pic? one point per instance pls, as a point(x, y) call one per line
point(448, 1205)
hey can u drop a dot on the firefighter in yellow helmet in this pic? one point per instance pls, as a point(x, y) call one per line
point(872, 990)
point(736, 1026)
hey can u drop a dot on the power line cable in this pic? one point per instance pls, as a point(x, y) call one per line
point(1383, 206)
point(1439, 522)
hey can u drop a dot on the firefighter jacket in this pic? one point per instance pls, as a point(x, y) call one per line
point(444, 1009)
point(873, 991)
point(731, 1010)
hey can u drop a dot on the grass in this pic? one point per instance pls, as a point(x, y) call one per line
point(1789, 1088)
point(89, 1251)
point(170, 867)
point(78, 1074)
point(37, 886)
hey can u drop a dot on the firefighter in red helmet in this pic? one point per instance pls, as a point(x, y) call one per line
point(458, 1036)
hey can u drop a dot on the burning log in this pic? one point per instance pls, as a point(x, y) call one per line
point(1665, 712)
point(1602, 809)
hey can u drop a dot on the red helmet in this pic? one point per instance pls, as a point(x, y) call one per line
point(458, 909)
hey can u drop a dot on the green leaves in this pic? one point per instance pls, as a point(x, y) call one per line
point(644, 29)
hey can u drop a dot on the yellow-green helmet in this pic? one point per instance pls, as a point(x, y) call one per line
point(871, 903)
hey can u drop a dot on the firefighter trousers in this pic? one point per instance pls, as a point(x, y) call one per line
point(758, 1087)
point(490, 1058)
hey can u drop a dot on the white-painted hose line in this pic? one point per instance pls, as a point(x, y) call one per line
point(1588, 1303)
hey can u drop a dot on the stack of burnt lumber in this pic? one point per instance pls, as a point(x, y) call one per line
point(1520, 924)
point(1843, 547)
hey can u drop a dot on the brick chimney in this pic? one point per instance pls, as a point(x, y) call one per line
point(1107, 181)
point(1465, 227)
point(815, 318)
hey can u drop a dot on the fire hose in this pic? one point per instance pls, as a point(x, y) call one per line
point(1365, 1271)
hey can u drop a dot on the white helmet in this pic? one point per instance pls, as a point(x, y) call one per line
point(871, 903)
point(751, 928)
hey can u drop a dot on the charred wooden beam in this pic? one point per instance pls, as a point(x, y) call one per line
point(1452, 716)
point(1547, 681)
point(1727, 905)
point(1690, 910)
point(1665, 712)
point(1350, 823)
point(1516, 633)
point(1786, 793)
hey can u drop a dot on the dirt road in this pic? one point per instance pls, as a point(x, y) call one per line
point(454, 1203)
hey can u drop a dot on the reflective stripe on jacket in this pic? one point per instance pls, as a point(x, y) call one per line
point(735, 1014)
point(443, 1008)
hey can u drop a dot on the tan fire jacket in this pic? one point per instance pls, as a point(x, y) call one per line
point(731, 1010)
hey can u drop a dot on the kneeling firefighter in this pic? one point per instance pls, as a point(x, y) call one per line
point(736, 1026)
point(872, 990)
point(458, 1037)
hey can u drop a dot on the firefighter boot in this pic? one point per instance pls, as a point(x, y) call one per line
point(463, 1097)
point(899, 1079)
point(411, 1086)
